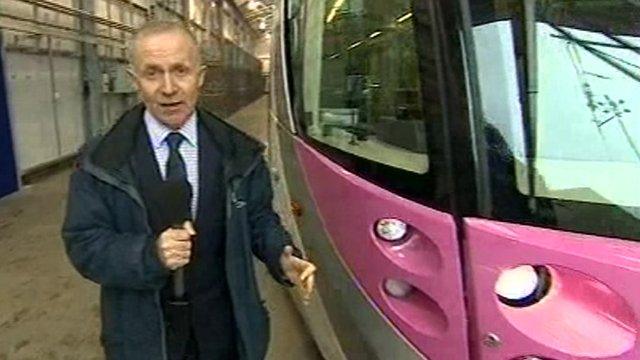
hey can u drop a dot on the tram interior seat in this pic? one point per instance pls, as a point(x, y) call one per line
point(405, 127)
point(407, 134)
point(346, 119)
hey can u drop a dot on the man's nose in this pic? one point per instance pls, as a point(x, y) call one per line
point(168, 85)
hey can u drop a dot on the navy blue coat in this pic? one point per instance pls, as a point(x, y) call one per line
point(109, 241)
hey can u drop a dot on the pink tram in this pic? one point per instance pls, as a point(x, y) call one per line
point(465, 173)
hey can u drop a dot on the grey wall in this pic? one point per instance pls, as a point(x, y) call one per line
point(66, 77)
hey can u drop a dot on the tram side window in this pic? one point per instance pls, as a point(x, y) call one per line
point(359, 94)
point(574, 147)
point(295, 40)
point(361, 87)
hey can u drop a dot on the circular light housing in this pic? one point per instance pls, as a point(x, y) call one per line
point(391, 229)
point(523, 285)
point(397, 288)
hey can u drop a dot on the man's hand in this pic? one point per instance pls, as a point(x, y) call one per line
point(174, 246)
point(299, 272)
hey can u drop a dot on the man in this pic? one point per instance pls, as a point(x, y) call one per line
point(117, 234)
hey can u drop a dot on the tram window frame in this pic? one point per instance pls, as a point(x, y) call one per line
point(511, 201)
point(292, 30)
point(430, 188)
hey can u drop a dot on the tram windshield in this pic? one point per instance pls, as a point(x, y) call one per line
point(560, 96)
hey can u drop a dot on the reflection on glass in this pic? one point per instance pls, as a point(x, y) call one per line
point(587, 107)
point(575, 98)
point(588, 124)
point(361, 85)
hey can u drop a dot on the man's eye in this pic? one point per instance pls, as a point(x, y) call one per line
point(182, 71)
point(150, 73)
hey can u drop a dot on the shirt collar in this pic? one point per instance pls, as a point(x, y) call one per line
point(159, 131)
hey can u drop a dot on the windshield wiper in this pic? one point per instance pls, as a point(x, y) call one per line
point(597, 53)
point(624, 43)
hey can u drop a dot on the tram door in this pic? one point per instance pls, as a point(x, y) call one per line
point(367, 99)
point(552, 264)
point(8, 175)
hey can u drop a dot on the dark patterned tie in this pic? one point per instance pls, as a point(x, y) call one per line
point(179, 199)
point(176, 168)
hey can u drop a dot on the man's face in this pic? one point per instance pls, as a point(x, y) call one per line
point(168, 76)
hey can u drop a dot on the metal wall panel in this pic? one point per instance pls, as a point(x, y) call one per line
point(29, 82)
point(66, 20)
point(114, 108)
point(69, 103)
point(17, 8)
point(69, 3)
point(114, 105)
point(65, 45)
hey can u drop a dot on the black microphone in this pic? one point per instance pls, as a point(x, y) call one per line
point(173, 201)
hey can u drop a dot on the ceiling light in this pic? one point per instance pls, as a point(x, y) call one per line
point(334, 10)
point(354, 45)
point(404, 17)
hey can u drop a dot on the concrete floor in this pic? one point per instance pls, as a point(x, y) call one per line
point(47, 311)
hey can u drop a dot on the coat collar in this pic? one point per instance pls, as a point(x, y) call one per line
point(112, 152)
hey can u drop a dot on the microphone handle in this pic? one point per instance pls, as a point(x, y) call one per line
point(178, 276)
point(178, 283)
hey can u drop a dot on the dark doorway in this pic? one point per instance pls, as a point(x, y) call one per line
point(8, 176)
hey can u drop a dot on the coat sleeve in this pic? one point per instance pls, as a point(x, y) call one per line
point(268, 236)
point(99, 252)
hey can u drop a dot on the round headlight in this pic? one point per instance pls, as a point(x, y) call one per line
point(522, 285)
point(391, 229)
point(397, 288)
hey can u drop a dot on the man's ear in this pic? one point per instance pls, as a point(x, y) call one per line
point(202, 71)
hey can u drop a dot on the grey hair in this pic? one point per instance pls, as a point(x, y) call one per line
point(154, 27)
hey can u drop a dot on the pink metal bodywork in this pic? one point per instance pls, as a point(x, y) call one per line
point(590, 310)
point(432, 317)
